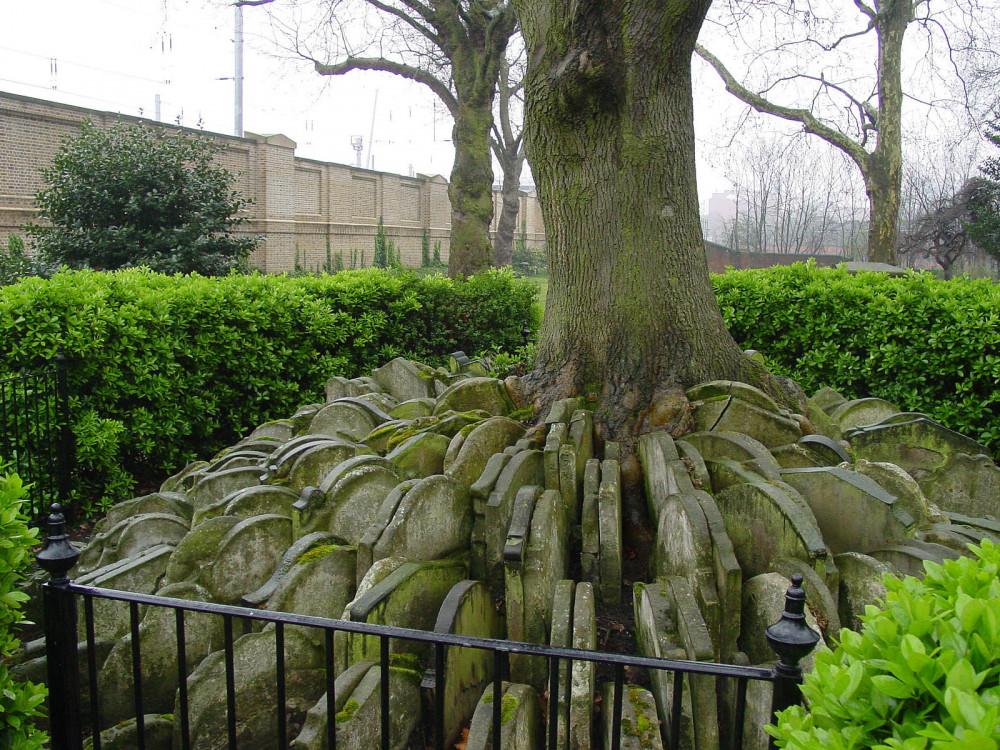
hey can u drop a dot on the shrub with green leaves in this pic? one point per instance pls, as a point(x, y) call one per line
point(163, 369)
point(16, 264)
point(923, 344)
point(20, 702)
point(923, 673)
point(131, 195)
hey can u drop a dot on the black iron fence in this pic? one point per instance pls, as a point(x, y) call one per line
point(70, 720)
point(35, 436)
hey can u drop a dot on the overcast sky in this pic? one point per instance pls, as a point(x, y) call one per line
point(118, 55)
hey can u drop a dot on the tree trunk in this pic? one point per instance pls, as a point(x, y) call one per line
point(630, 313)
point(471, 190)
point(884, 182)
point(510, 193)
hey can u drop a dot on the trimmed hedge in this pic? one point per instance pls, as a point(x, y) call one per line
point(925, 345)
point(167, 368)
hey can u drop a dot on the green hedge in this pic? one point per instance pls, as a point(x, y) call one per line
point(20, 701)
point(925, 345)
point(166, 368)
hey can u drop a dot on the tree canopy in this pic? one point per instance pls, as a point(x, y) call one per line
point(132, 195)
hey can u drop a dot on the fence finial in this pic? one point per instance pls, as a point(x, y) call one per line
point(58, 555)
point(790, 637)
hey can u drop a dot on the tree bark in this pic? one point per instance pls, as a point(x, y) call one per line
point(471, 190)
point(630, 316)
point(510, 195)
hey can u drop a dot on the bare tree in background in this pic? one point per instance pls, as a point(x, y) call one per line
point(454, 47)
point(814, 56)
point(507, 142)
point(789, 196)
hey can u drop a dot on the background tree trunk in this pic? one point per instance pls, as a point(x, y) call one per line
point(630, 315)
point(510, 193)
point(471, 190)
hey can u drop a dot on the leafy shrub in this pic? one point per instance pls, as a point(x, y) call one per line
point(131, 195)
point(15, 264)
point(526, 260)
point(20, 702)
point(923, 673)
point(925, 345)
point(164, 369)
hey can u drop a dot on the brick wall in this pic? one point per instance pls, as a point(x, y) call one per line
point(306, 211)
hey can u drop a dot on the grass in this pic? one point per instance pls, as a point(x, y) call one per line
point(543, 288)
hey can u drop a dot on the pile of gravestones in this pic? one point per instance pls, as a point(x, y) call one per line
point(412, 498)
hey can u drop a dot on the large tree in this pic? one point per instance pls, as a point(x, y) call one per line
point(455, 48)
point(814, 74)
point(630, 316)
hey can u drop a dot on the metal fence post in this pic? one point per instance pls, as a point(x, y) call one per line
point(57, 557)
point(67, 454)
point(792, 640)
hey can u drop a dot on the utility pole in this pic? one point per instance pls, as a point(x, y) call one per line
point(238, 72)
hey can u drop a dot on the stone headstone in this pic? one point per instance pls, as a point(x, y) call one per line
point(483, 441)
point(969, 485)
point(861, 584)
point(433, 520)
point(909, 555)
point(740, 448)
point(421, 455)
point(413, 408)
point(255, 676)
point(468, 610)
point(351, 494)
point(141, 574)
point(583, 679)
point(522, 726)
point(314, 731)
point(246, 557)
point(197, 550)
point(765, 522)
point(609, 510)
point(640, 725)
point(854, 513)
point(214, 487)
point(862, 411)
point(523, 469)
point(763, 603)
point(258, 501)
point(158, 650)
point(409, 597)
point(487, 394)
point(404, 380)
point(733, 414)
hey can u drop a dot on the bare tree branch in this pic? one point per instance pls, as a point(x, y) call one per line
point(810, 122)
point(390, 66)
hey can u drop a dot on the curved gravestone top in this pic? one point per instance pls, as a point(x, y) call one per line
point(288, 559)
point(862, 411)
point(247, 556)
point(764, 523)
point(404, 380)
point(481, 442)
point(432, 520)
point(213, 487)
point(722, 388)
point(738, 447)
point(259, 501)
point(488, 394)
point(421, 455)
point(854, 513)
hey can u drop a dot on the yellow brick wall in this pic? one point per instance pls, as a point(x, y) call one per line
point(305, 210)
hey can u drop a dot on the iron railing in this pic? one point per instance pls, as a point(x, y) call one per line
point(35, 437)
point(790, 637)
